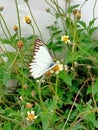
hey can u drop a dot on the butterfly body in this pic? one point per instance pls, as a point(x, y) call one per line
point(42, 61)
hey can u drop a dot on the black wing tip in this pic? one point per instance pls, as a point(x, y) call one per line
point(38, 40)
point(38, 43)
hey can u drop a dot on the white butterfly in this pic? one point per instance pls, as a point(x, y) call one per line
point(42, 61)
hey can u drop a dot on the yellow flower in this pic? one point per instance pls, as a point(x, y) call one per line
point(31, 116)
point(15, 27)
point(58, 68)
point(65, 38)
point(27, 19)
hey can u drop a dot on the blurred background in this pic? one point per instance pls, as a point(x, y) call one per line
point(89, 10)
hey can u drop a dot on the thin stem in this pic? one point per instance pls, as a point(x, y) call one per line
point(18, 19)
point(11, 42)
point(58, 10)
point(69, 17)
point(81, 116)
point(39, 92)
point(94, 8)
point(75, 101)
point(83, 4)
point(55, 2)
point(14, 61)
point(8, 119)
point(7, 38)
point(4, 30)
point(74, 40)
point(34, 20)
point(65, 10)
point(5, 25)
point(32, 29)
point(93, 91)
point(50, 5)
point(56, 84)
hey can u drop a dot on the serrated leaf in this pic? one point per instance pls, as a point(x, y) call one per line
point(92, 22)
point(83, 24)
point(67, 78)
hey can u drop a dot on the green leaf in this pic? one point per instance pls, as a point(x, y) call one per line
point(95, 87)
point(79, 127)
point(7, 126)
point(72, 8)
point(83, 24)
point(79, 107)
point(92, 30)
point(67, 78)
point(91, 23)
point(45, 120)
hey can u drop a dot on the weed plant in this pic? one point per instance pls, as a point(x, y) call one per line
point(63, 101)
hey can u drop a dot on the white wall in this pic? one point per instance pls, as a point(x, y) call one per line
point(42, 18)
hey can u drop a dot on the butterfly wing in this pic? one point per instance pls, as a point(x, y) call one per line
point(42, 61)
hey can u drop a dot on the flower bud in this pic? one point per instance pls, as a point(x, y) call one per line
point(20, 44)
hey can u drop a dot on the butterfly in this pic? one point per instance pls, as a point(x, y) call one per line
point(42, 61)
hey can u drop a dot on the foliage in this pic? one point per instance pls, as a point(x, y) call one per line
point(66, 101)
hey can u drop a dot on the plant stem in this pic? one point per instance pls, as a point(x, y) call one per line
point(83, 4)
point(34, 20)
point(5, 25)
point(32, 29)
point(74, 102)
point(81, 116)
point(94, 8)
point(18, 19)
point(56, 84)
point(58, 10)
point(39, 92)
point(50, 5)
point(3, 30)
point(14, 61)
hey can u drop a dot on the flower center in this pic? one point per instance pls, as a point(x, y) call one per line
point(31, 117)
point(27, 19)
point(55, 68)
point(65, 38)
